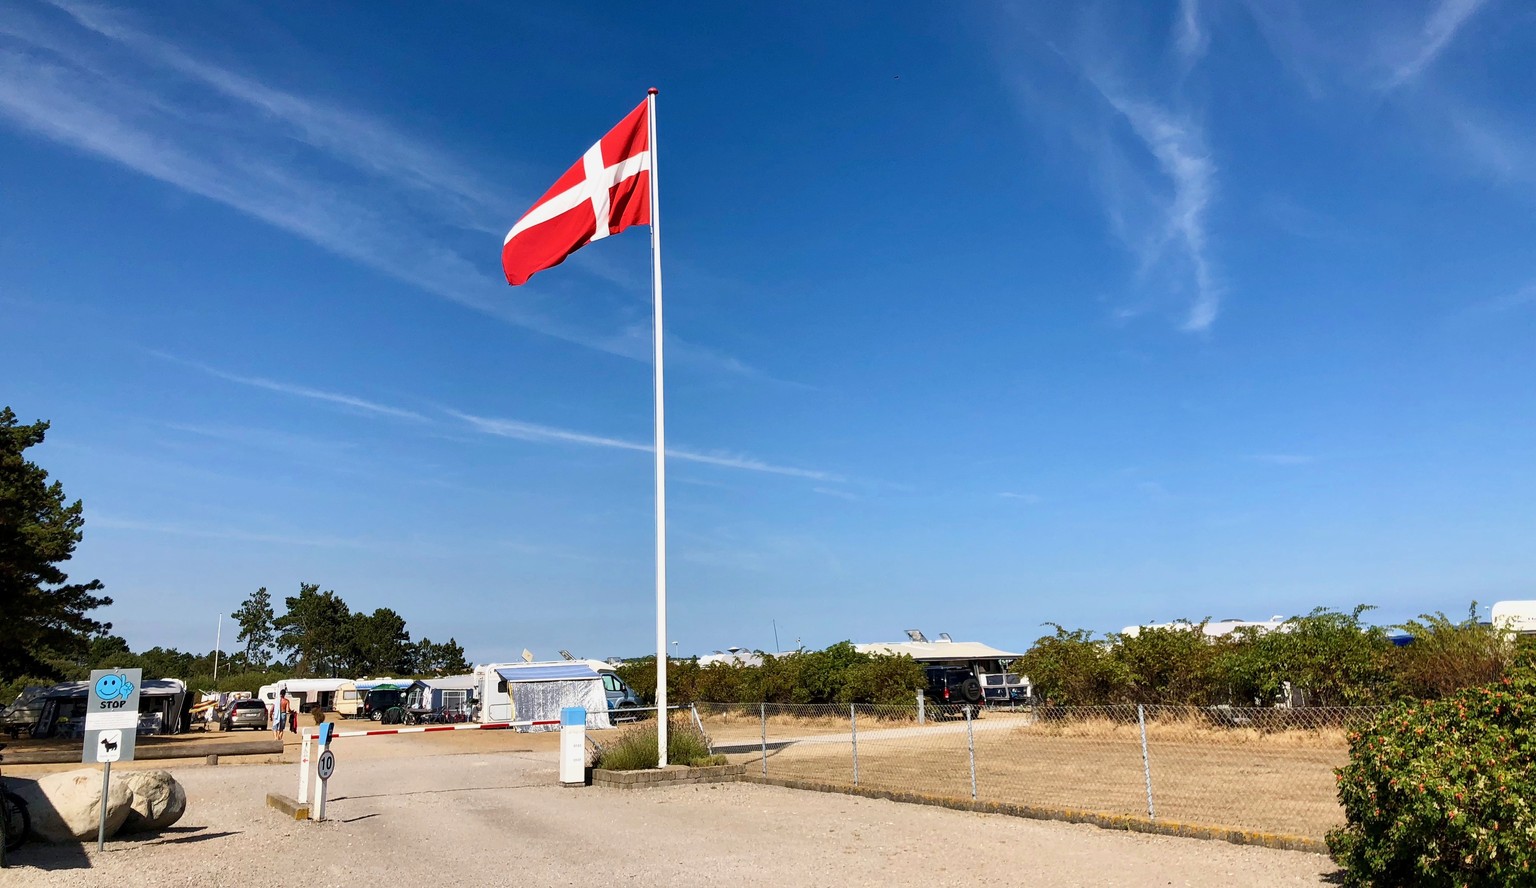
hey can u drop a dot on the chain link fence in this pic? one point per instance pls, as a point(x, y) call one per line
point(1256, 770)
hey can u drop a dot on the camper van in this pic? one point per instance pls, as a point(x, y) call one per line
point(538, 691)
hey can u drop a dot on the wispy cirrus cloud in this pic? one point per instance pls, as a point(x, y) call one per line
point(527, 431)
point(501, 427)
point(225, 533)
point(1190, 36)
point(1340, 51)
point(1409, 59)
point(1026, 498)
point(352, 183)
point(1179, 240)
point(298, 391)
point(1154, 171)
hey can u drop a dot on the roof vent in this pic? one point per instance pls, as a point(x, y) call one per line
point(566, 654)
point(916, 635)
point(944, 636)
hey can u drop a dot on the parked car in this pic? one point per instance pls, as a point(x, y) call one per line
point(950, 688)
point(381, 699)
point(245, 714)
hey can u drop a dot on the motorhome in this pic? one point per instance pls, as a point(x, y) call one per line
point(538, 691)
point(999, 685)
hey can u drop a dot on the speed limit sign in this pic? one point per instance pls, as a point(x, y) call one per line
point(327, 765)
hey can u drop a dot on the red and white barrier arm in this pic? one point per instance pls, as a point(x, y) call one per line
point(307, 736)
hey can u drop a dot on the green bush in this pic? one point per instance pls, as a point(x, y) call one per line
point(634, 749)
point(1440, 793)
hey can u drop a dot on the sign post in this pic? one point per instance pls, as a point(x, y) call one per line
point(324, 768)
point(111, 727)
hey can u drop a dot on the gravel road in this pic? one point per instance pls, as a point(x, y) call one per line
point(490, 818)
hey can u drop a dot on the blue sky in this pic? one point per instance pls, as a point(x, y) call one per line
point(977, 316)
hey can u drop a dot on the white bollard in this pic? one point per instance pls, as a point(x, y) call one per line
point(573, 746)
point(306, 739)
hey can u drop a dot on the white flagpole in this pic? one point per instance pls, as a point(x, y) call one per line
point(661, 443)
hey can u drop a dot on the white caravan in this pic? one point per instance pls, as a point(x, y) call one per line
point(538, 691)
point(304, 694)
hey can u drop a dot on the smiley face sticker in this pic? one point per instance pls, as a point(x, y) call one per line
point(113, 687)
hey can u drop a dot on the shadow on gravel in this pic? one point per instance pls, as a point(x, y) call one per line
point(35, 855)
point(187, 840)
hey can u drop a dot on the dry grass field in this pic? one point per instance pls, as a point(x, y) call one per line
point(1276, 781)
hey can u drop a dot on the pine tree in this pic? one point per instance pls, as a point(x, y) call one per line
point(45, 616)
point(255, 618)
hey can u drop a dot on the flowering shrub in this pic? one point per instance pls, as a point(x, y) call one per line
point(1442, 792)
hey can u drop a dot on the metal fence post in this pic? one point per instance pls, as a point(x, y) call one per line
point(920, 702)
point(853, 734)
point(763, 708)
point(970, 747)
point(1146, 762)
point(697, 723)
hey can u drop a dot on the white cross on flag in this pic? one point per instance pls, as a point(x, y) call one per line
point(605, 192)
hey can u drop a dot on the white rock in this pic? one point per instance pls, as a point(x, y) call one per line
point(155, 800)
point(67, 807)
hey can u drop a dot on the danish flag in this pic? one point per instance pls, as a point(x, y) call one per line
point(605, 192)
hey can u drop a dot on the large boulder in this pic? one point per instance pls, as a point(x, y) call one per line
point(67, 807)
point(155, 800)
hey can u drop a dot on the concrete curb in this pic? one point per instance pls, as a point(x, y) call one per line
point(675, 775)
point(1069, 815)
point(287, 806)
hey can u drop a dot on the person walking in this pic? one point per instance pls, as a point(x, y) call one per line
point(283, 714)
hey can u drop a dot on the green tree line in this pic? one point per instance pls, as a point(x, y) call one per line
point(838, 674)
point(317, 635)
point(1325, 658)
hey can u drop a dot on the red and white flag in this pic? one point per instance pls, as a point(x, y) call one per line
point(605, 192)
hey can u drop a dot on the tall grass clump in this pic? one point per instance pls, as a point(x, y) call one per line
point(635, 749)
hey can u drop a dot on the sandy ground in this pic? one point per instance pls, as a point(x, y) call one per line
point(1278, 783)
point(434, 809)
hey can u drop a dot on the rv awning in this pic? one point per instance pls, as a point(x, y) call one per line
point(571, 672)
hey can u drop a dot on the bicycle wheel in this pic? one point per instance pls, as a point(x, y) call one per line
point(18, 820)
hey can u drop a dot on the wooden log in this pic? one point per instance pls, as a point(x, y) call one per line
point(151, 751)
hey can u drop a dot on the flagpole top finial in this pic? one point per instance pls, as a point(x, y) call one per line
point(652, 91)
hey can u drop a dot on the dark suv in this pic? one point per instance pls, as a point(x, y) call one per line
point(950, 688)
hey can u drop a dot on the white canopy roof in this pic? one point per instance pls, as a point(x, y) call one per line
point(937, 650)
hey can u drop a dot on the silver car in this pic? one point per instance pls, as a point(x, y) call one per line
point(245, 714)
